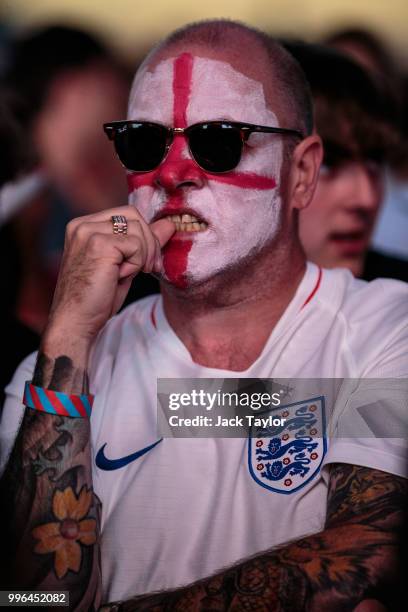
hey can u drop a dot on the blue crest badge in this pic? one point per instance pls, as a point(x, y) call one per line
point(284, 458)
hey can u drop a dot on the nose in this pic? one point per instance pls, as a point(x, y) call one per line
point(365, 185)
point(178, 168)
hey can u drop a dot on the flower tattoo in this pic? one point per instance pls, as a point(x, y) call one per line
point(63, 537)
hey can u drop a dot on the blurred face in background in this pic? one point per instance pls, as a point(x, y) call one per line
point(336, 228)
point(72, 148)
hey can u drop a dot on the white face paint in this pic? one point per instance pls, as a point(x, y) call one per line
point(243, 207)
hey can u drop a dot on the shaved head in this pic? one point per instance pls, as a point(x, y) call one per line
point(254, 54)
point(210, 73)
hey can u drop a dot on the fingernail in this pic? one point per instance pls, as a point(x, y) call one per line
point(158, 265)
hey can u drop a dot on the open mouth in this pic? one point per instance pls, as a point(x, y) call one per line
point(348, 236)
point(187, 223)
point(350, 242)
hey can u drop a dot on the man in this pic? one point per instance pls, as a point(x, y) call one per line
point(24, 340)
point(336, 229)
point(214, 213)
point(59, 74)
point(371, 52)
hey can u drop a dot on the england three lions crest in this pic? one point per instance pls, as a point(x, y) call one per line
point(285, 457)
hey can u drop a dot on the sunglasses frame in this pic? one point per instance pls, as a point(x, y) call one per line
point(245, 130)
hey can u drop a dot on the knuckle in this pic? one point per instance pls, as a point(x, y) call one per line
point(136, 224)
point(75, 229)
point(134, 228)
point(130, 212)
point(82, 230)
point(71, 227)
point(96, 243)
point(139, 243)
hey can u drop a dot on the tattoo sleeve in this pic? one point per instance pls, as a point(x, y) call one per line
point(50, 515)
point(354, 559)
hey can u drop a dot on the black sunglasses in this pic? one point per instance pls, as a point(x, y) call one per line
point(216, 146)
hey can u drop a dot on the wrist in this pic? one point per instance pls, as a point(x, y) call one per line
point(62, 361)
point(57, 402)
point(59, 339)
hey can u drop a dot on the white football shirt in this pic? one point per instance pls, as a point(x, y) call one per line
point(187, 507)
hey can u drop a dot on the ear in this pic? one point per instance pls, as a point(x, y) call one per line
point(306, 160)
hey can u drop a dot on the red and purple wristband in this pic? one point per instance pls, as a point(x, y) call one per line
point(55, 402)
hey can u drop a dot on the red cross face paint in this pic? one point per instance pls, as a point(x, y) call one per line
point(231, 215)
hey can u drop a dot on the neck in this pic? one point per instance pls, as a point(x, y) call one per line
point(226, 322)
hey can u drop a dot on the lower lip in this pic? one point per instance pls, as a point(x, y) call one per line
point(350, 246)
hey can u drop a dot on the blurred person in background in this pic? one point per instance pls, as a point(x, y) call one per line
point(17, 340)
point(358, 135)
point(367, 48)
point(68, 83)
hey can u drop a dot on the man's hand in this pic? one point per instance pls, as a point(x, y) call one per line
point(98, 267)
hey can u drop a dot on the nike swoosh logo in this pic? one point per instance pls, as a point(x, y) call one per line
point(103, 463)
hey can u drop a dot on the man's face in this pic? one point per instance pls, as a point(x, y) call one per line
point(336, 228)
point(238, 211)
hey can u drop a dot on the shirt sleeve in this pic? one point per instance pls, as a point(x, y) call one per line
point(385, 454)
point(13, 409)
point(371, 426)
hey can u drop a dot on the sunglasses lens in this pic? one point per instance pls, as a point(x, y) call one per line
point(141, 146)
point(216, 147)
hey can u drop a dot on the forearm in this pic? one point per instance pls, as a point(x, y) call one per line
point(353, 559)
point(334, 569)
point(50, 514)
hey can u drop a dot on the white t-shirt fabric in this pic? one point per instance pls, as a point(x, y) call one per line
point(188, 507)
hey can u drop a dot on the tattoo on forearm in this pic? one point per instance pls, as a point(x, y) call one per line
point(42, 367)
point(70, 529)
point(50, 513)
point(60, 374)
point(364, 495)
point(354, 558)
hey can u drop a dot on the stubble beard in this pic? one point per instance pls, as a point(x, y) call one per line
point(244, 278)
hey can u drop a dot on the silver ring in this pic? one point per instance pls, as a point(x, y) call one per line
point(119, 224)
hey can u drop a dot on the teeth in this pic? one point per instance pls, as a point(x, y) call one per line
point(188, 223)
